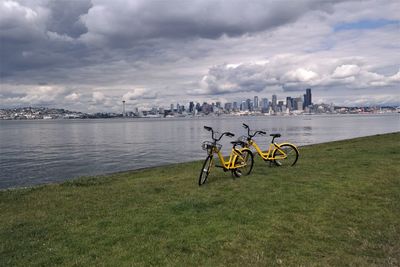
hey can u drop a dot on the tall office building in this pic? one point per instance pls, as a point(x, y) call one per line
point(256, 103)
point(191, 106)
point(228, 106)
point(299, 103)
point(235, 106)
point(274, 102)
point(307, 98)
point(198, 107)
point(243, 106)
point(249, 104)
point(289, 103)
point(172, 107)
point(264, 105)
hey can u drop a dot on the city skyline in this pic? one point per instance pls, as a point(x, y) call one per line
point(91, 55)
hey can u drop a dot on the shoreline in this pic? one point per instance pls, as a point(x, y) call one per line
point(283, 115)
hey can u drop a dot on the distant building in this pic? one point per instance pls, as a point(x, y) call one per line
point(235, 106)
point(289, 103)
point(307, 98)
point(256, 103)
point(243, 106)
point(264, 105)
point(274, 102)
point(249, 105)
point(228, 107)
point(280, 106)
point(299, 103)
point(191, 107)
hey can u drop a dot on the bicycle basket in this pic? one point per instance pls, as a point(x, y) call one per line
point(209, 146)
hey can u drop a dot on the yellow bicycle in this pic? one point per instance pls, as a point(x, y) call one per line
point(283, 154)
point(240, 161)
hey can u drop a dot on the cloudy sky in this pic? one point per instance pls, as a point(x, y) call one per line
point(89, 55)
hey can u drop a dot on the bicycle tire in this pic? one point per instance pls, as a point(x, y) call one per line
point(292, 155)
point(246, 170)
point(205, 170)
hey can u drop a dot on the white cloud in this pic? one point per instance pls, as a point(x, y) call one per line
point(72, 97)
point(345, 71)
point(98, 97)
point(300, 75)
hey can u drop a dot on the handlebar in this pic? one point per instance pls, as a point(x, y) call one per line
point(229, 134)
point(255, 133)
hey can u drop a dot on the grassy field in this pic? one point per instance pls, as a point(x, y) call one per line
point(340, 205)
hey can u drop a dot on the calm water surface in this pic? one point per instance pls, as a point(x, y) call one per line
point(36, 152)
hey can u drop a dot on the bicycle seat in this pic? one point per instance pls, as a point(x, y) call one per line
point(275, 135)
point(238, 142)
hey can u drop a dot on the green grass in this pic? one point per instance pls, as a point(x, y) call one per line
point(340, 205)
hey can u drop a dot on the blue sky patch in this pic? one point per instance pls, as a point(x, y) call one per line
point(364, 24)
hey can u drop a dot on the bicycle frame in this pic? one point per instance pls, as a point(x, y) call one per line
point(273, 147)
point(230, 163)
point(268, 155)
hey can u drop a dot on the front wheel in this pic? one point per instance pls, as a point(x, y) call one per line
point(205, 170)
point(285, 155)
point(246, 160)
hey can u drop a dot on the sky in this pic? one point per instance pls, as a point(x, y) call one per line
point(89, 55)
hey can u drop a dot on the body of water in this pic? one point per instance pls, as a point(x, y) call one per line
point(36, 152)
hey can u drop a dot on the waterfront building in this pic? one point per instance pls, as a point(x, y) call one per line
point(307, 98)
point(256, 103)
point(228, 107)
point(198, 107)
point(235, 106)
point(191, 107)
point(249, 105)
point(243, 106)
point(264, 105)
point(280, 106)
point(299, 103)
point(289, 103)
point(274, 102)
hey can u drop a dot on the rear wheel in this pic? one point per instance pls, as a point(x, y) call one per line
point(247, 160)
point(286, 155)
point(205, 170)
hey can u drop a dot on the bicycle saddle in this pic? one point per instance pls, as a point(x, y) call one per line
point(275, 135)
point(238, 142)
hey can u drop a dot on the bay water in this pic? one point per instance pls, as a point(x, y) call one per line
point(44, 151)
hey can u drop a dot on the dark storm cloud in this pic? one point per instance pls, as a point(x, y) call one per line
point(65, 17)
point(37, 38)
point(43, 35)
point(118, 23)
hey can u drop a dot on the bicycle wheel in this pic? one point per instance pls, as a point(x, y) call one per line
point(205, 170)
point(247, 160)
point(286, 155)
